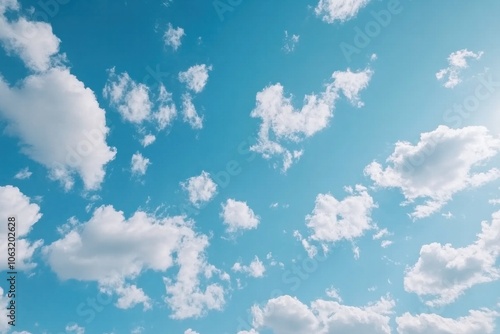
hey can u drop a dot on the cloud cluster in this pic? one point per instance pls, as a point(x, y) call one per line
point(477, 322)
point(290, 42)
point(288, 315)
point(441, 164)
point(112, 251)
point(135, 102)
point(195, 78)
point(282, 124)
point(445, 272)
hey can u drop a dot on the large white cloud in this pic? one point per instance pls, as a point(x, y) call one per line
point(238, 216)
point(14, 203)
point(333, 220)
point(457, 62)
point(77, 144)
point(477, 322)
point(112, 251)
point(441, 164)
point(201, 188)
point(32, 41)
point(195, 77)
point(339, 10)
point(445, 273)
point(283, 125)
point(52, 96)
point(288, 315)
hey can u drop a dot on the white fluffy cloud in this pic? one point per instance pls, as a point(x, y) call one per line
point(339, 10)
point(14, 203)
point(112, 251)
point(445, 272)
point(255, 269)
point(173, 36)
point(52, 96)
point(333, 220)
point(137, 104)
point(288, 315)
point(438, 166)
point(201, 188)
point(32, 41)
point(77, 144)
point(131, 99)
point(457, 62)
point(190, 115)
point(283, 124)
point(238, 216)
point(195, 77)
point(477, 322)
point(139, 164)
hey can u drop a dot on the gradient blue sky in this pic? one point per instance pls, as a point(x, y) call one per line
point(320, 166)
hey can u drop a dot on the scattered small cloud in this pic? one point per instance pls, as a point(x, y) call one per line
point(139, 164)
point(173, 37)
point(23, 174)
point(290, 42)
point(457, 62)
point(255, 269)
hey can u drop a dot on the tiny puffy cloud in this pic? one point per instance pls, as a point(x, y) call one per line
point(196, 77)
point(173, 37)
point(237, 216)
point(339, 10)
point(201, 188)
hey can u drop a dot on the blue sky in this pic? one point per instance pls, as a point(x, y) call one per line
point(322, 166)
